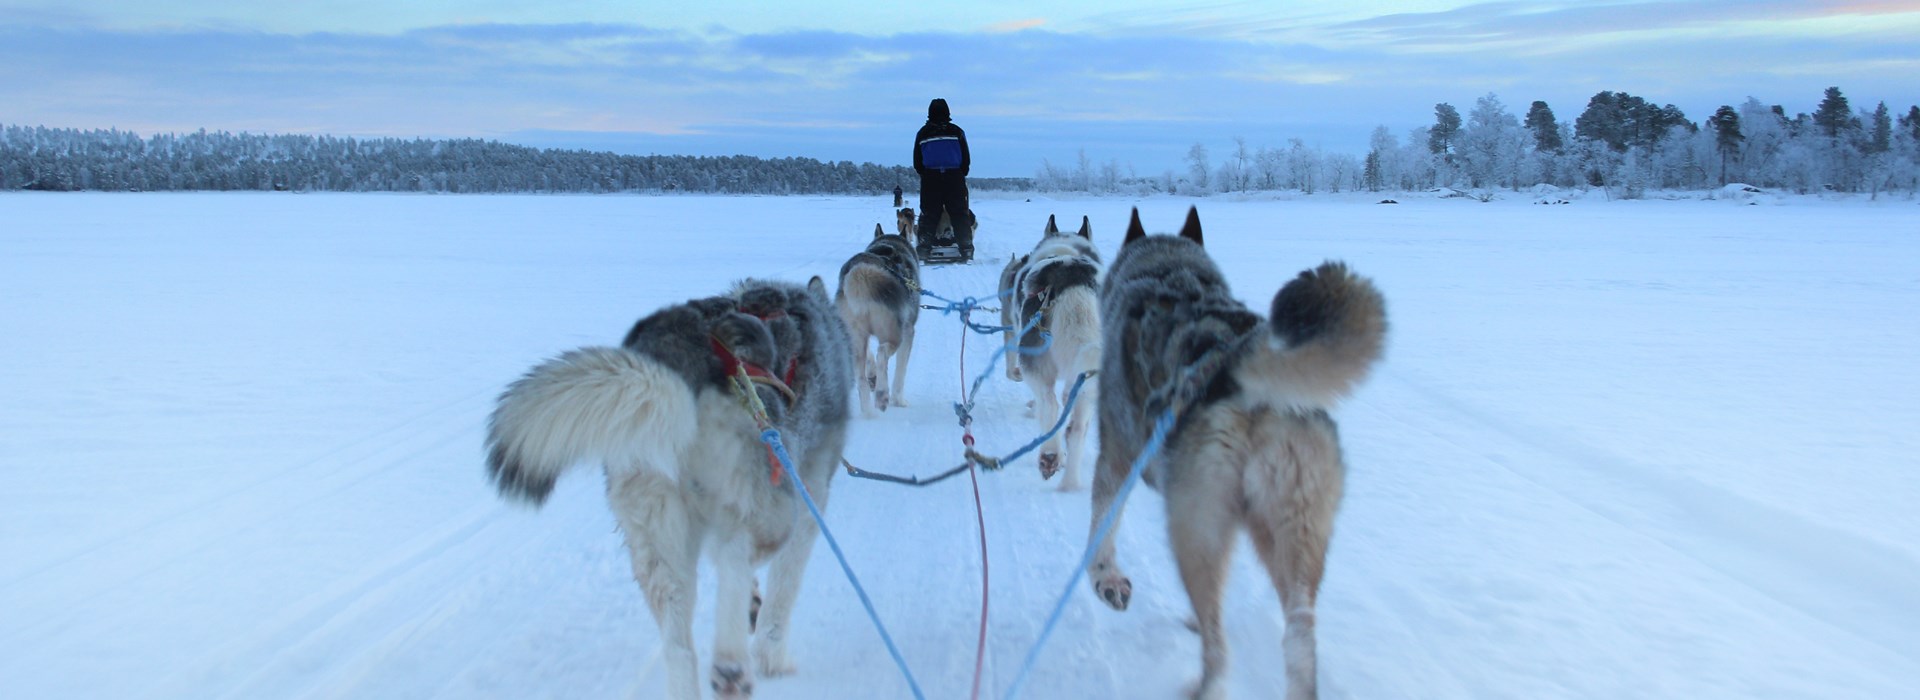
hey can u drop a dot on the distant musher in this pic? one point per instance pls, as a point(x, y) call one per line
point(941, 158)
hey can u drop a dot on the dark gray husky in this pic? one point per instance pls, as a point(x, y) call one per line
point(1255, 450)
point(879, 298)
point(685, 466)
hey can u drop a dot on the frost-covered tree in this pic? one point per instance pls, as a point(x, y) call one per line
point(1197, 166)
point(1881, 139)
point(1492, 146)
point(1834, 117)
point(1446, 126)
point(1546, 131)
point(1725, 123)
point(1242, 165)
point(1383, 155)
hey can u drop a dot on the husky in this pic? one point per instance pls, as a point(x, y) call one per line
point(1255, 449)
point(686, 470)
point(1059, 284)
point(903, 223)
point(879, 298)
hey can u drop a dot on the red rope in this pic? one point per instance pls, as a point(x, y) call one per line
point(980, 517)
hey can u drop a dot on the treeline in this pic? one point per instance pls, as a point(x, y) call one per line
point(39, 158)
point(1621, 142)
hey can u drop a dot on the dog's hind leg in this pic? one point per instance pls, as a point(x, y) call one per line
point(1291, 537)
point(877, 374)
point(1201, 525)
point(1111, 584)
point(784, 575)
point(864, 373)
point(733, 570)
point(664, 543)
point(900, 365)
point(1076, 436)
point(1046, 409)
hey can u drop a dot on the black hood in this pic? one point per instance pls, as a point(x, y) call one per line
point(937, 111)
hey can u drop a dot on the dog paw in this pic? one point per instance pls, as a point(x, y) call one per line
point(880, 399)
point(896, 400)
point(731, 682)
point(1070, 484)
point(1201, 689)
point(1014, 373)
point(1115, 589)
point(1049, 464)
point(773, 662)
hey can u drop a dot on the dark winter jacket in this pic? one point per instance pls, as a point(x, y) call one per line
point(940, 148)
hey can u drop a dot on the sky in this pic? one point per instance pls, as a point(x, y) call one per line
point(1130, 81)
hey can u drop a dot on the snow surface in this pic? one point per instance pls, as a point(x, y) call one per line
point(1617, 449)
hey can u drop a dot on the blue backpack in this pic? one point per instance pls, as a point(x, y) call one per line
point(940, 153)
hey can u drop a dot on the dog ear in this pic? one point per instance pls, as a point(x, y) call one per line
point(1051, 227)
point(878, 232)
point(1086, 228)
point(819, 288)
point(1191, 231)
point(1134, 230)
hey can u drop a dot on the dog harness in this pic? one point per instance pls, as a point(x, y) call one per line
point(736, 367)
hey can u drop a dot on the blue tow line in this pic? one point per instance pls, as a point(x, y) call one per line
point(1161, 427)
point(771, 436)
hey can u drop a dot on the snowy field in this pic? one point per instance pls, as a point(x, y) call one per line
point(1645, 449)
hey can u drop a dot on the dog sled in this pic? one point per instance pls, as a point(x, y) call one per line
point(942, 247)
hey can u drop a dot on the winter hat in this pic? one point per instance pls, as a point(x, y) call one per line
point(937, 111)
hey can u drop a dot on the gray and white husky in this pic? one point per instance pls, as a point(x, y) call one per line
point(685, 467)
point(1256, 449)
point(1059, 283)
point(879, 298)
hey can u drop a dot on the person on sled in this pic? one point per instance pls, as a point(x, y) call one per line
point(941, 158)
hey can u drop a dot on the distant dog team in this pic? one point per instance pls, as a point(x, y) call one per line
point(1254, 449)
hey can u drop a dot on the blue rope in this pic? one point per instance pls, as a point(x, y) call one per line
point(771, 436)
point(1161, 427)
point(1065, 413)
point(965, 411)
point(967, 306)
point(1073, 396)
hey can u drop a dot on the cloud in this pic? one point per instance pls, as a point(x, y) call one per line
point(1142, 96)
point(1016, 25)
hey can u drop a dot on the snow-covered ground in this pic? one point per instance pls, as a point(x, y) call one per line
point(1617, 449)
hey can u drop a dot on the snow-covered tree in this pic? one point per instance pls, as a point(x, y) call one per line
point(1725, 124)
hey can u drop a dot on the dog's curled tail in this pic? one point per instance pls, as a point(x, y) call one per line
point(1327, 328)
point(594, 404)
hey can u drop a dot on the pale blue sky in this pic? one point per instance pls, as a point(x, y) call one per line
point(1129, 80)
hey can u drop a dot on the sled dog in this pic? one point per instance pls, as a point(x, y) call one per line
point(1059, 284)
point(903, 223)
point(1256, 448)
point(686, 470)
point(879, 298)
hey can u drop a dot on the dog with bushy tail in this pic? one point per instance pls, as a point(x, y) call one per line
point(686, 471)
point(1255, 447)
